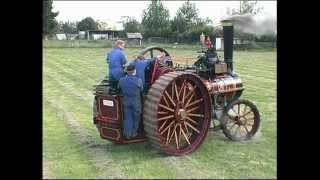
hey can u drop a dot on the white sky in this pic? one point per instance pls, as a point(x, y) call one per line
point(113, 10)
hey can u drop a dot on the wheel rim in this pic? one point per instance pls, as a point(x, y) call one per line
point(241, 120)
point(183, 115)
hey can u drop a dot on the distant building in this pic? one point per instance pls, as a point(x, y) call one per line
point(61, 36)
point(135, 37)
point(72, 36)
point(82, 34)
point(104, 34)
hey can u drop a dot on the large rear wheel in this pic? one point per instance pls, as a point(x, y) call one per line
point(177, 113)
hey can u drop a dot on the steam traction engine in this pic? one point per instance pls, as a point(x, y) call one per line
point(181, 103)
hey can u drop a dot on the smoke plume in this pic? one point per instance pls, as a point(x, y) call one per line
point(254, 24)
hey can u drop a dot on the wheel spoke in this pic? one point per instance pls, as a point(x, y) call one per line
point(192, 109)
point(180, 132)
point(245, 108)
point(195, 115)
point(230, 117)
point(195, 129)
point(163, 124)
point(174, 104)
point(185, 136)
point(162, 112)
point(194, 102)
point(174, 130)
point(236, 133)
point(247, 113)
point(249, 124)
point(172, 90)
point(233, 125)
point(186, 128)
point(165, 100)
point(167, 108)
point(181, 88)
point(234, 111)
point(231, 121)
point(176, 137)
point(165, 129)
point(183, 94)
point(247, 119)
point(241, 132)
point(190, 98)
point(168, 135)
point(245, 127)
point(166, 117)
point(176, 90)
point(191, 120)
point(188, 94)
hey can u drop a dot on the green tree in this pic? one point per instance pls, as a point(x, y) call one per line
point(187, 25)
point(155, 20)
point(68, 27)
point(186, 17)
point(49, 25)
point(131, 25)
point(87, 24)
point(247, 7)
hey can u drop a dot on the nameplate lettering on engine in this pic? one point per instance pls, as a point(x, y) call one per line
point(108, 103)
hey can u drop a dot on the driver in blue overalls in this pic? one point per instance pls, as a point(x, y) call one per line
point(116, 60)
point(131, 87)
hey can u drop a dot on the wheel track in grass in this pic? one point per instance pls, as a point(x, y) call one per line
point(72, 75)
point(242, 64)
point(189, 169)
point(83, 96)
point(101, 159)
point(262, 74)
point(72, 92)
point(45, 170)
point(76, 65)
point(69, 77)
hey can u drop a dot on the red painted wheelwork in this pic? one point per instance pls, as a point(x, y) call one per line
point(161, 71)
point(177, 113)
point(241, 120)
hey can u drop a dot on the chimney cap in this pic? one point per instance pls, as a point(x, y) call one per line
point(226, 22)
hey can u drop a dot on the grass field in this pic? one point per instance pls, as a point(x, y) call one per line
point(72, 147)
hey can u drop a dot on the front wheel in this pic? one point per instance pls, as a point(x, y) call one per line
point(240, 120)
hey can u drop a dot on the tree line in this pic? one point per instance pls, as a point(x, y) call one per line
point(185, 26)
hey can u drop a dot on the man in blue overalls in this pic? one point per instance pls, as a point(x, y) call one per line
point(116, 60)
point(140, 64)
point(131, 87)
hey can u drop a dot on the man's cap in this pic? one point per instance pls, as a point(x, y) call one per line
point(131, 67)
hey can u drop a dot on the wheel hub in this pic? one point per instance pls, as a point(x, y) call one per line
point(238, 121)
point(182, 114)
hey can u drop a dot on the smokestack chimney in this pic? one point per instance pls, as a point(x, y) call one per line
point(228, 43)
